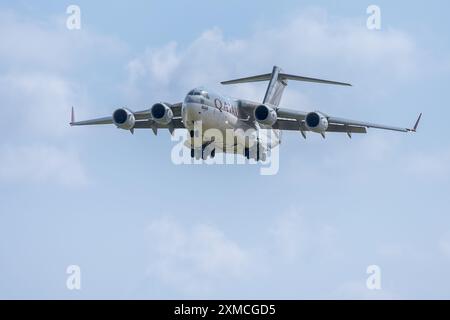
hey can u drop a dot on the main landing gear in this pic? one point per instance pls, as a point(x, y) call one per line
point(252, 153)
point(203, 152)
point(207, 149)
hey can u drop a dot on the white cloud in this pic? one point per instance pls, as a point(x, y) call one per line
point(291, 235)
point(193, 259)
point(199, 260)
point(39, 63)
point(311, 42)
point(33, 46)
point(297, 236)
point(41, 164)
point(37, 103)
point(433, 164)
point(161, 63)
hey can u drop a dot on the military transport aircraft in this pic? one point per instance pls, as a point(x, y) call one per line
point(259, 125)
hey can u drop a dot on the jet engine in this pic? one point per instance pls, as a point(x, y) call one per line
point(317, 122)
point(265, 115)
point(161, 113)
point(124, 119)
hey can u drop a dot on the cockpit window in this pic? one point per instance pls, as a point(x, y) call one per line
point(205, 94)
point(202, 93)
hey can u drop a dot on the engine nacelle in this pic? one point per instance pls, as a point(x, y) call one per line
point(162, 113)
point(316, 121)
point(265, 115)
point(124, 119)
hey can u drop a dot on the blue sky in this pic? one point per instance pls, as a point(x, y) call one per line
point(140, 227)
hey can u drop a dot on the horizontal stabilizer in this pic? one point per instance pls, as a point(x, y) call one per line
point(306, 79)
point(283, 76)
point(262, 77)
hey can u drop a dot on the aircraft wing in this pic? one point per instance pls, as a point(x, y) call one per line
point(91, 122)
point(294, 120)
point(143, 119)
point(150, 124)
point(294, 125)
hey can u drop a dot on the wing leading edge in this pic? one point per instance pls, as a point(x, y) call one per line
point(295, 120)
point(92, 122)
point(143, 120)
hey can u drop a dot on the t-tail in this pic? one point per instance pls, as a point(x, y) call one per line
point(278, 80)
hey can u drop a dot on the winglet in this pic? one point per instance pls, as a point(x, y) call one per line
point(416, 125)
point(72, 117)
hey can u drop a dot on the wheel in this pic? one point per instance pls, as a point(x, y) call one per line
point(205, 151)
point(247, 153)
point(192, 152)
point(213, 153)
point(263, 157)
point(198, 154)
point(191, 133)
point(257, 151)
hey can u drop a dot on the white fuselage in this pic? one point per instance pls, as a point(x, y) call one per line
point(220, 114)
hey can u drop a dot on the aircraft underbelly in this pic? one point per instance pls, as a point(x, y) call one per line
point(225, 129)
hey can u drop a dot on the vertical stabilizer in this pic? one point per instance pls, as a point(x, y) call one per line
point(276, 87)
